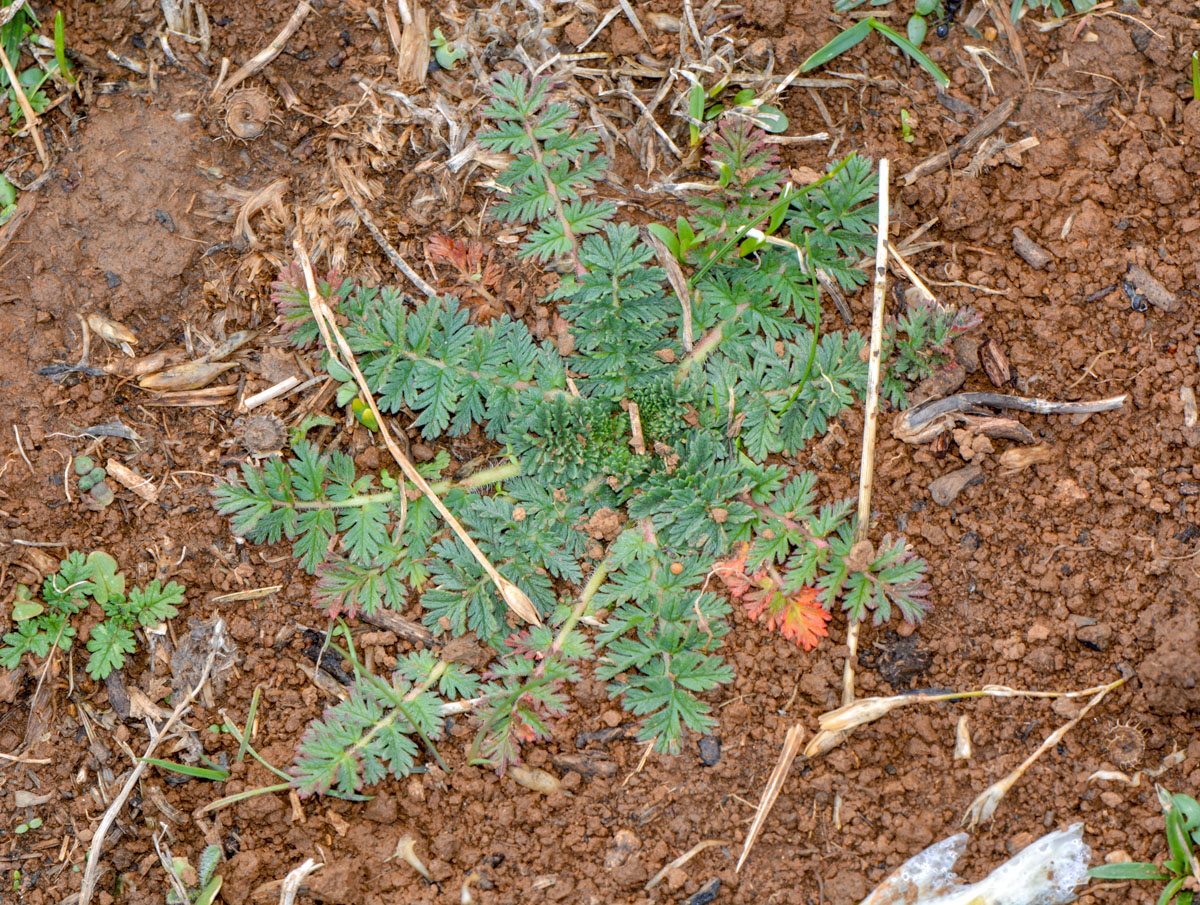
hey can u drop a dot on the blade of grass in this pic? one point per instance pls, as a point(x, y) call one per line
point(913, 51)
point(855, 34)
point(250, 714)
point(186, 769)
point(60, 48)
point(242, 796)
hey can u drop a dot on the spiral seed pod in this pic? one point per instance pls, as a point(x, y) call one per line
point(247, 112)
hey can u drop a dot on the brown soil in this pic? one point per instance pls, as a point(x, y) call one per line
point(1065, 575)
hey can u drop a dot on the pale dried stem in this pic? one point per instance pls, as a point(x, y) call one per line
point(866, 475)
point(791, 746)
point(30, 117)
point(267, 54)
point(336, 344)
point(985, 804)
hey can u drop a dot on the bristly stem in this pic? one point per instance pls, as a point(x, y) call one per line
point(535, 149)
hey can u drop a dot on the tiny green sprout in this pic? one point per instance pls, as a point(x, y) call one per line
point(97, 474)
point(363, 413)
point(906, 123)
point(60, 48)
point(8, 200)
point(446, 54)
point(24, 606)
point(925, 7)
point(102, 494)
point(1196, 75)
point(917, 29)
point(84, 464)
point(26, 827)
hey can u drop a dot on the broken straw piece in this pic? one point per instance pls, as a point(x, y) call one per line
point(1044, 873)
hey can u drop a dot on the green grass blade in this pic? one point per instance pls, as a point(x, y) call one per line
point(1130, 870)
point(839, 45)
point(60, 48)
point(913, 51)
point(249, 723)
point(187, 770)
point(242, 796)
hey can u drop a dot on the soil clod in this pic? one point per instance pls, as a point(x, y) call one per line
point(945, 490)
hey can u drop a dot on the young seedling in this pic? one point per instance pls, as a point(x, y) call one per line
point(8, 200)
point(858, 33)
point(41, 625)
point(1181, 815)
point(446, 54)
point(906, 121)
point(197, 885)
point(1195, 77)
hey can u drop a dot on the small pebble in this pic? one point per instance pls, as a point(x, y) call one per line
point(710, 750)
point(945, 489)
point(706, 893)
point(1095, 637)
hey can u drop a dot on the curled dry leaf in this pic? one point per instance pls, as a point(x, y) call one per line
point(110, 330)
point(148, 364)
point(406, 850)
point(190, 376)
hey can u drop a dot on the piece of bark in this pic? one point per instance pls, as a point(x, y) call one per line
point(995, 363)
point(394, 622)
point(1031, 253)
point(945, 489)
point(1140, 283)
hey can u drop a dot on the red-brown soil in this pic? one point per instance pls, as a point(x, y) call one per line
point(1068, 574)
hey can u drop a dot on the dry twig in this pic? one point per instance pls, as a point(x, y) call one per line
point(30, 117)
point(791, 746)
point(267, 54)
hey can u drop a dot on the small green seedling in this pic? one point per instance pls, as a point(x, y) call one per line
point(856, 34)
point(31, 81)
point(198, 885)
point(92, 481)
point(8, 200)
point(60, 48)
point(1195, 87)
point(1182, 819)
point(67, 592)
point(26, 827)
point(678, 243)
point(906, 124)
point(446, 54)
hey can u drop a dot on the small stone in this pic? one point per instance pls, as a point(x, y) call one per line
point(705, 894)
point(676, 877)
point(1032, 253)
point(1111, 799)
point(1018, 842)
point(1095, 637)
point(611, 718)
point(422, 453)
point(710, 750)
point(945, 489)
point(758, 54)
point(1117, 856)
point(970, 541)
point(966, 353)
point(111, 279)
point(625, 843)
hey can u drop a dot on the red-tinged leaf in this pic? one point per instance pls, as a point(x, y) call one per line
point(799, 618)
point(732, 572)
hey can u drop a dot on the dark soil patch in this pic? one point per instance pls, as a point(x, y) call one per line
point(1061, 576)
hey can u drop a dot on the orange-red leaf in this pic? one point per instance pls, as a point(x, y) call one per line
point(799, 617)
point(732, 572)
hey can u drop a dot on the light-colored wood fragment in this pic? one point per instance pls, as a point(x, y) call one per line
point(131, 480)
